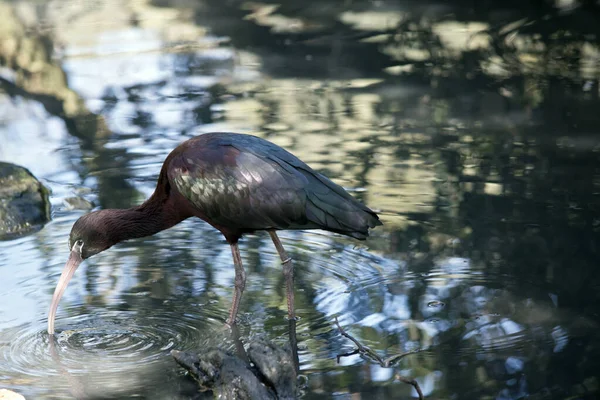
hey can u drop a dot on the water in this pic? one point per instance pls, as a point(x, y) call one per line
point(478, 149)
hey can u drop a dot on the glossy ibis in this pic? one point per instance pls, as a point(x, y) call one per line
point(238, 184)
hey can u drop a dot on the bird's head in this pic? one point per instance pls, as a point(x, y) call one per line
point(91, 234)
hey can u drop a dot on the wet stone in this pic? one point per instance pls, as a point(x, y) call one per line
point(78, 203)
point(276, 366)
point(270, 376)
point(24, 203)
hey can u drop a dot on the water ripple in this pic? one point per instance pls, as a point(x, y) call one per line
point(118, 351)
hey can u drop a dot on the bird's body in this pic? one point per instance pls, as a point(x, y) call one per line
point(241, 184)
point(238, 184)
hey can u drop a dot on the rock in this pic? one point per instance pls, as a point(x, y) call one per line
point(24, 203)
point(6, 394)
point(226, 375)
point(78, 203)
point(276, 367)
point(272, 375)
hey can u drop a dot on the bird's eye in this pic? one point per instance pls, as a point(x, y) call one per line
point(78, 245)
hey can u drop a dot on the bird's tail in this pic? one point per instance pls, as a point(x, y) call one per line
point(333, 209)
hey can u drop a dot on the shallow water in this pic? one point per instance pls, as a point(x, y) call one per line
point(486, 268)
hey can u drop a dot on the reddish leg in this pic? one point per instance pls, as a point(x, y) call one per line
point(240, 283)
point(288, 273)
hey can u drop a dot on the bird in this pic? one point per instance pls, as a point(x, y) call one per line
point(239, 184)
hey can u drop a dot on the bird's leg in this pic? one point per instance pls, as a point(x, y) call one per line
point(288, 273)
point(240, 283)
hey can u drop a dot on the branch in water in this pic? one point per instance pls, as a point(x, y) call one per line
point(412, 382)
point(387, 363)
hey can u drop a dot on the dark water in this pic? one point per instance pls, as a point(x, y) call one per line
point(472, 128)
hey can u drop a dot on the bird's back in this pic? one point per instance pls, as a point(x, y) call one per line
point(242, 183)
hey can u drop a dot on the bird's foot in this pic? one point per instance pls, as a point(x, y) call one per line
point(230, 323)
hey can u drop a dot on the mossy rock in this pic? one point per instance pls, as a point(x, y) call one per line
point(24, 203)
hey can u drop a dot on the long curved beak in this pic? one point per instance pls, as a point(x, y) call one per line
point(66, 275)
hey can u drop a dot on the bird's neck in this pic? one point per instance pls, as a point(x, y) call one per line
point(131, 223)
point(158, 213)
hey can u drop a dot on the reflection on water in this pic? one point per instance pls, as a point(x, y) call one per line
point(473, 131)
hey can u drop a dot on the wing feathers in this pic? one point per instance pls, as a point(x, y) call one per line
point(246, 183)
